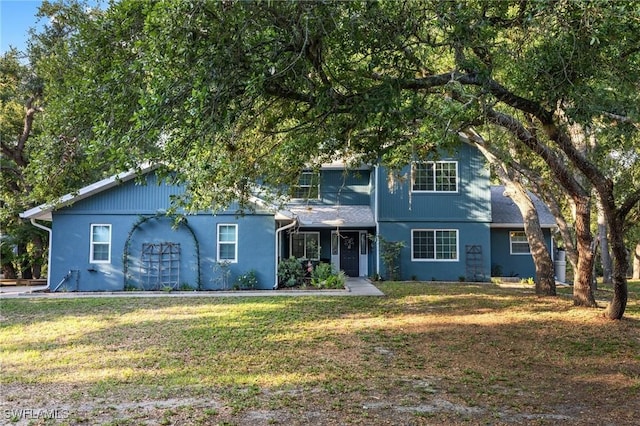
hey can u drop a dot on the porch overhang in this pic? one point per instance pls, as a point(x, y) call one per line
point(330, 216)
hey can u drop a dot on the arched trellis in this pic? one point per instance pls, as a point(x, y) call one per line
point(178, 220)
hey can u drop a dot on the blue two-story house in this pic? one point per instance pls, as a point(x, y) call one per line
point(450, 223)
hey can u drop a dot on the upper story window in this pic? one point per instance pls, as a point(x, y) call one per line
point(438, 176)
point(228, 243)
point(434, 244)
point(308, 186)
point(305, 245)
point(100, 247)
point(519, 243)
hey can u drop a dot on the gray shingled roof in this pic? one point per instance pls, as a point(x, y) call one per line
point(333, 216)
point(504, 213)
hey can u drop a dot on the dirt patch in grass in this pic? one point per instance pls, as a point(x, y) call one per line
point(425, 354)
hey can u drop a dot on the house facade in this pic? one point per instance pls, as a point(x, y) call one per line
point(444, 216)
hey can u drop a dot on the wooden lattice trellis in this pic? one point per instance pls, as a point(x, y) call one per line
point(160, 265)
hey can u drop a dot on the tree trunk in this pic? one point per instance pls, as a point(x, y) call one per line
point(636, 263)
point(25, 265)
point(614, 216)
point(594, 274)
point(545, 276)
point(37, 258)
point(582, 294)
point(621, 265)
point(9, 271)
point(563, 227)
point(603, 240)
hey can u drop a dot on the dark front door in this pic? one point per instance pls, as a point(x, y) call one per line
point(350, 253)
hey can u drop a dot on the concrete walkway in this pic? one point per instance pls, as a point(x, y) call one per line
point(355, 287)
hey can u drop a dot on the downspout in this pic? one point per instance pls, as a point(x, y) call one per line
point(375, 215)
point(50, 232)
point(278, 232)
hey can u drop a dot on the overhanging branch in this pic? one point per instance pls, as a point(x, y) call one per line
point(630, 202)
point(528, 139)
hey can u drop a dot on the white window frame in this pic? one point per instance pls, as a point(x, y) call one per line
point(92, 243)
point(435, 251)
point(221, 243)
point(304, 188)
point(434, 164)
point(335, 243)
point(317, 234)
point(364, 246)
point(519, 241)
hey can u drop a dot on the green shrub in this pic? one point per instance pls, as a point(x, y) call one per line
point(246, 281)
point(324, 276)
point(186, 287)
point(320, 273)
point(529, 281)
point(496, 270)
point(222, 273)
point(390, 255)
point(337, 280)
point(290, 272)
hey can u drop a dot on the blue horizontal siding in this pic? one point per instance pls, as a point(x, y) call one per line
point(148, 196)
point(122, 207)
point(512, 265)
point(471, 203)
point(346, 187)
point(468, 234)
point(398, 212)
point(145, 196)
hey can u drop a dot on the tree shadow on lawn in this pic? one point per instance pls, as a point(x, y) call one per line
point(497, 350)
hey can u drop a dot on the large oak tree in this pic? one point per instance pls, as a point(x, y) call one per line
point(20, 103)
point(227, 93)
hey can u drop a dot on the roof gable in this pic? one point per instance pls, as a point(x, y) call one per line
point(117, 194)
point(44, 211)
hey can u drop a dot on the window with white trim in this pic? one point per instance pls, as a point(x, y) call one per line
point(308, 186)
point(227, 243)
point(100, 246)
point(305, 245)
point(519, 243)
point(434, 176)
point(434, 244)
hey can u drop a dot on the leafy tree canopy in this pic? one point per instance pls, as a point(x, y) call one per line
point(20, 102)
point(225, 93)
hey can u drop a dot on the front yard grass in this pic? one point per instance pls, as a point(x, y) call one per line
point(428, 353)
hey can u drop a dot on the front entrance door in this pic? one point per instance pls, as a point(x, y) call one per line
point(350, 253)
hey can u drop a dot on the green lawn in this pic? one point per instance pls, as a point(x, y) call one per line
point(427, 353)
